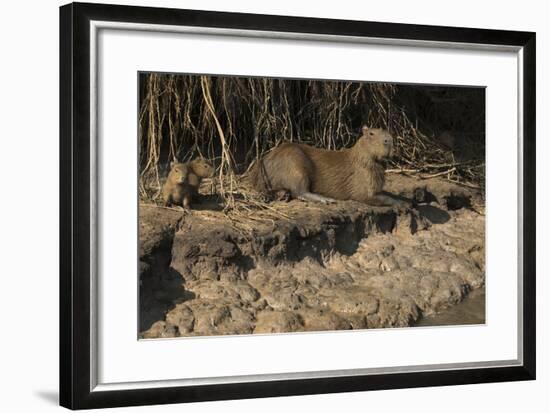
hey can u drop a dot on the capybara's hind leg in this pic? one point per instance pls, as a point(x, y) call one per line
point(310, 196)
point(298, 183)
point(295, 172)
point(299, 188)
point(289, 168)
point(299, 170)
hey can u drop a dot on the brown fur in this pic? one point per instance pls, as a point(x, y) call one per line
point(323, 175)
point(184, 179)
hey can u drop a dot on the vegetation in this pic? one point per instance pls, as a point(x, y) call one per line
point(439, 130)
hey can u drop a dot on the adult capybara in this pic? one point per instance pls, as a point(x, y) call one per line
point(322, 175)
point(184, 179)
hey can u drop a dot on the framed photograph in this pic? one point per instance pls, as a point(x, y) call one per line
point(257, 206)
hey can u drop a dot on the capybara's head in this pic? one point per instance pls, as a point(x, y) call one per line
point(375, 143)
point(178, 172)
point(202, 168)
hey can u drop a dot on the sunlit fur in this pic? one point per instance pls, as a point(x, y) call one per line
point(183, 182)
point(348, 174)
point(178, 173)
point(201, 167)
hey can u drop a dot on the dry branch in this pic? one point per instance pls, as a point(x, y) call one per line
point(233, 121)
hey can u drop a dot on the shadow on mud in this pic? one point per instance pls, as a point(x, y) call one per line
point(433, 214)
point(209, 203)
point(158, 295)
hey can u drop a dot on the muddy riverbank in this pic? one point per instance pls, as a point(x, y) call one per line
point(341, 266)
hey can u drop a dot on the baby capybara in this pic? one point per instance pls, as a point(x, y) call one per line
point(184, 179)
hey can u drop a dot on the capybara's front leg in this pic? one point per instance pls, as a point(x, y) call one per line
point(187, 202)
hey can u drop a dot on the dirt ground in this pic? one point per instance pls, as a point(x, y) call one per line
point(317, 267)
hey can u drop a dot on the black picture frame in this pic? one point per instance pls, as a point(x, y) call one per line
point(75, 219)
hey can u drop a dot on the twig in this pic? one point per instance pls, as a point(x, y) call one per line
point(161, 206)
point(447, 172)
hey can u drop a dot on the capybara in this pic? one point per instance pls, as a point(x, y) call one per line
point(184, 179)
point(314, 174)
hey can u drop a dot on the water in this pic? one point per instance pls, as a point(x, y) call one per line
point(470, 311)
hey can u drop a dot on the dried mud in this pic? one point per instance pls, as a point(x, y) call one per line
point(342, 266)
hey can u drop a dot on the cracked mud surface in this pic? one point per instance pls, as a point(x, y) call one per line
point(342, 266)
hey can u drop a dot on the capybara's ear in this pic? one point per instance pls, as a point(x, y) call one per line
point(173, 163)
point(365, 129)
